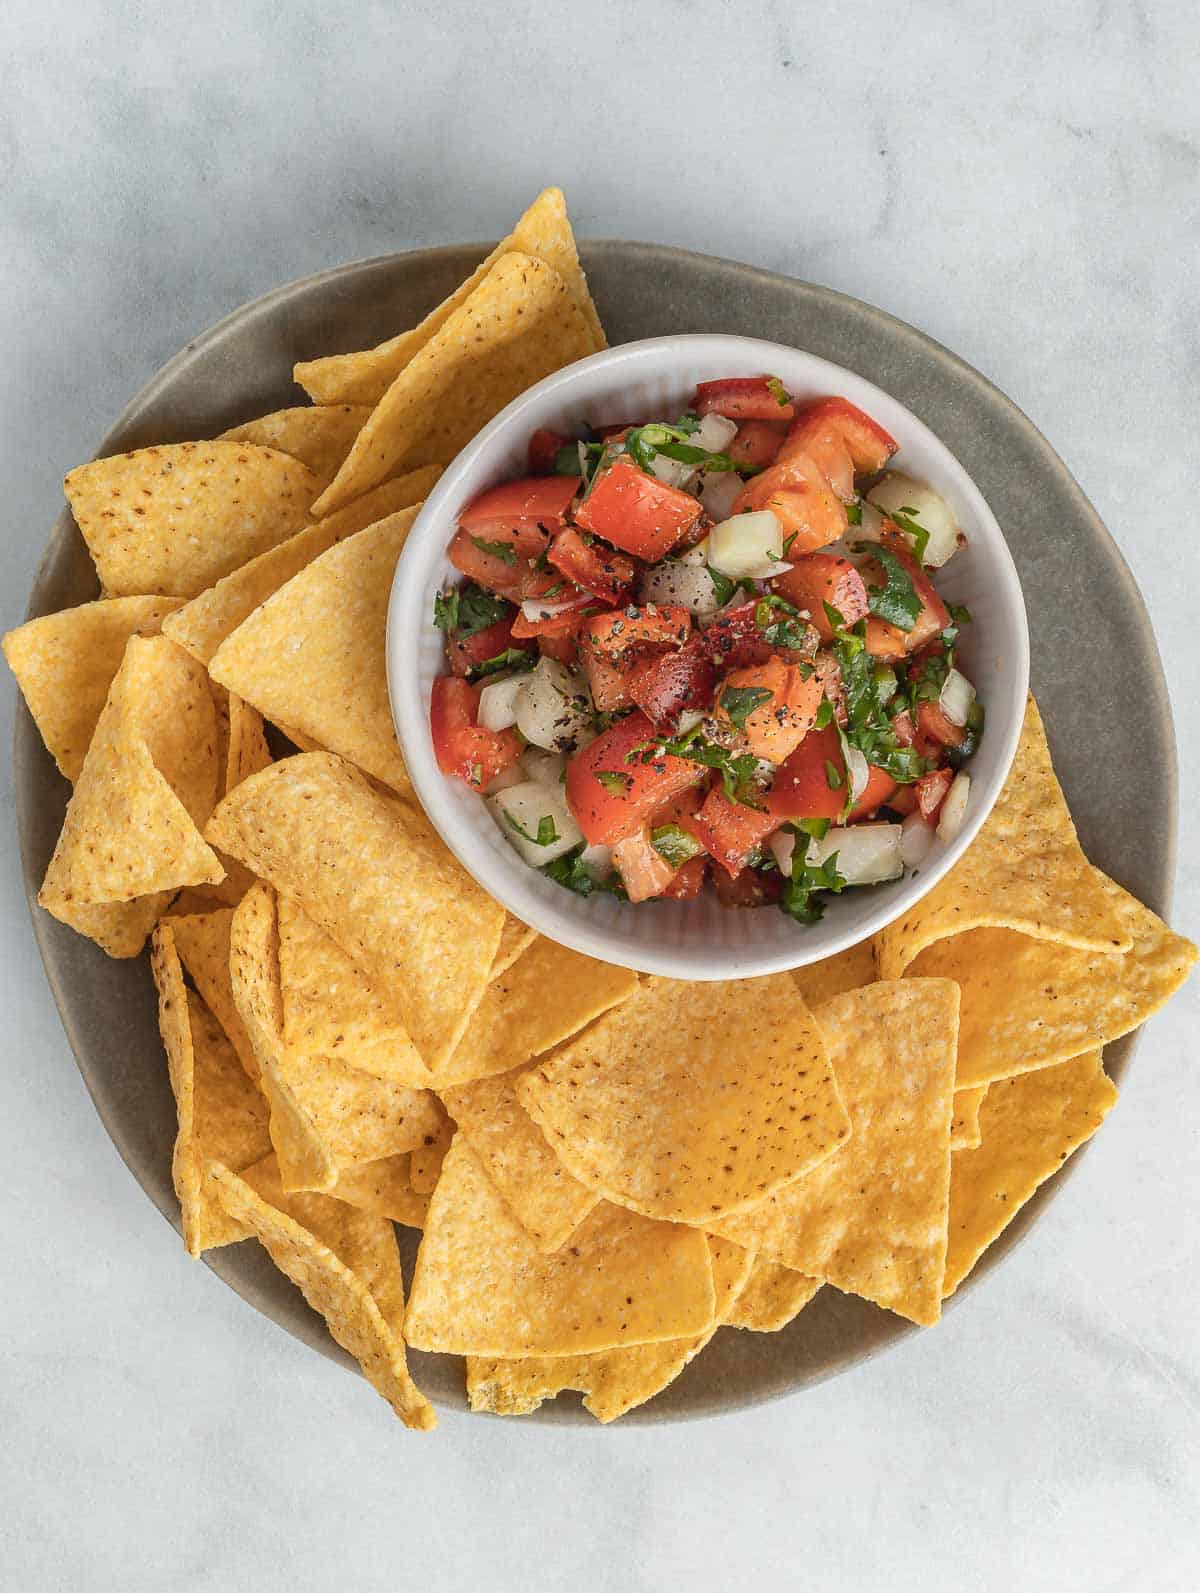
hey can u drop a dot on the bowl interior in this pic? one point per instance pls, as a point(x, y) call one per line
point(700, 939)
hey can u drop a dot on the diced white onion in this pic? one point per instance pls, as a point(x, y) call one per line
point(956, 697)
point(782, 844)
point(697, 554)
point(688, 720)
point(928, 508)
point(719, 490)
point(954, 807)
point(547, 768)
point(553, 707)
point(534, 609)
point(671, 471)
point(498, 702)
point(714, 433)
point(868, 854)
point(526, 805)
point(513, 775)
point(916, 839)
point(858, 769)
point(748, 546)
point(597, 860)
point(674, 581)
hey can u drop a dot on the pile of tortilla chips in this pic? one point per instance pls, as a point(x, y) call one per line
point(605, 1168)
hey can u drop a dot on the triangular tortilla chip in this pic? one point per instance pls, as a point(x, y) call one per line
point(65, 664)
point(222, 1116)
point(1029, 1126)
point(1024, 871)
point(872, 1219)
point(1029, 1003)
point(772, 1297)
point(202, 940)
point(131, 836)
point(242, 751)
point(691, 1099)
point(481, 1288)
point(345, 1263)
point(964, 1125)
point(833, 976)
point(313, 657)
point(318, 435)
point(374, 874)
point(203, 624)
point(518, 325)
point(515, 939)
point(175, 519)
point(617, 1380)
point(384, 1187)
point(363, 378)
point(425, 1163)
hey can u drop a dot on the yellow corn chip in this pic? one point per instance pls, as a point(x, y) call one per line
point(384, 1187)
point(872, 1219)
point(65, 663)
point(242, 751)
point(203, 624)
point(313, 656)
point(773, 1295)
point(482, 1288)
point(535, 1186)
point(318, 435)
point(614, 1381)
point(515, 938)
point(425, 1163)
point(345, 1263)
point(1024, 871)
point(175, 519)
point(222, 1116)
point(964, 1125)
point(691, 1099)
point(517, 326)
point(548, 994)
point(202, 940)
point(1029, 1126)
point(1031, 1003)
point(833, 976)
point(363, 378)
point(375, 876)
point(131, 835)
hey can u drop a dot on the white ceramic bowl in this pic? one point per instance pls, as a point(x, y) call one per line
point(695, 940)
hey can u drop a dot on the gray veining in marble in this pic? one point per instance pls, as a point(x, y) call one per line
point(1020, 182)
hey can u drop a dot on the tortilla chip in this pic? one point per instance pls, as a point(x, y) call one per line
point(222, 1116)
point(872, 1219)
point(964, 1125)
point(535, 1186)
point(313, 656)
point(204, 623)
point(345, 1263)
point(318, 435)
point(515, 938)
point(376, 877)
point(1024, 871)
point(1028, 1003)
point(1029, 1126)
point(358, 1117)
point(614, 1381)
point(131, 836)
point(384, 1187)
point(65, 664)
point(547, 995)
point(363, 378)
point(517, 326)
point(691, 1100)
point(772, 1297)
point(425, 1164)
point(174, 519)
point(833, 976)
point(202, 940)
point(242, 751)
point(482, 1288)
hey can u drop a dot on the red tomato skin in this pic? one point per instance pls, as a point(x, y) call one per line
point(564, 648)
point(798, 492)
point(741, 398)
point(903, 801)
point(735, 640)
point(688, 881)
point(487, 569)
point(608, 816)
point(468, 652)
point(636, 512)
point(819, 578)
point(757, 442)
point(931, 791)
point(778, 726)
point(842, 440)
point(462, 746)
point(879, 789)
point(598, 569)
point(673, 683)
point(934, 730)
point(564, 624)
point(747, 889)
point(729, 831)
point(543, 450)
point(643, 872)
point(607, 682)
point(801, 790)
point(525, 505)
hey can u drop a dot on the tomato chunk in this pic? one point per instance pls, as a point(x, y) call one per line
point(468, 652)
point(535, 504)
point(841, 440)
point(933, 616)
point(637, 512)
point(934, 730)
point(747, 889)
point(771, 706)
point(741, 398)
point(643, 872)
point(598, 568)
point(688, 881)
point(930, 792)
point(802, 788)
point(757, 442)
point(673, 683)
point(880, 788)
point(799, 494)
point(543, 450)
point(565, 622)
point(735, 639)
point(730, 831)
point(563, 648)
point(462, 747)
point(610, 797)
point(819, 578)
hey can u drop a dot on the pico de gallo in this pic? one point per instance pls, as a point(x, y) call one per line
point(711, 650)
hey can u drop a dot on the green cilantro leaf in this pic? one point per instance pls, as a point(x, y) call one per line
point(834, 778)
point(569, 871)
point(854, 513)
point(445, 609)
point(804, 881)
point(510, 658)
point(906, 519)
point(613, 781)
point(546, 835)
point(739, 702)
point(498, 550)
point(824, 714)
point(897, 602)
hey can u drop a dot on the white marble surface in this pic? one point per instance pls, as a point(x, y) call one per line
point(1021, 182)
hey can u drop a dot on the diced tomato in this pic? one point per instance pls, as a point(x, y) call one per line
point(757, 442)
point(930, 792)
point(672, 683)
point(829, 673)
point(884, 641)
point(596, 567)
point(491, 570)
point(543, 450)
point(747, 889)
point(932, 618)
point(563, 648)
point(679, 809)
point(741, 398)
point(802, 789)
point(903, 800)
point(934, 730)
point(819, 578)
point(564, 623)
point(637, 512)
point(782, 719)
point(806, 505)
point(612, 798)
point(688, 881)
point(461, 745)
point(624, 635)
point(644, 873)
point(468, 652)
point(841, 440)
point(735, 639)
point(607, 682)
point(531, 507)
point(730, 831)
point(879, 789)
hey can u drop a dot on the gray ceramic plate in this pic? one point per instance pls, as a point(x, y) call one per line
point(1084, 609)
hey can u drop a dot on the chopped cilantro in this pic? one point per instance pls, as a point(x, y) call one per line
point(818, 829)
point(806, 879)
point(739, 702)
point(906, 519)
point(824, 714)
point(613, 781)
point(468, 609)
point(897, 601)
point(546, 835)
point(510, 658)
point(570, 871)
point(498, 550)
point(674, 845)
point(834, 778)
point(854, 512)
point(736, 773)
